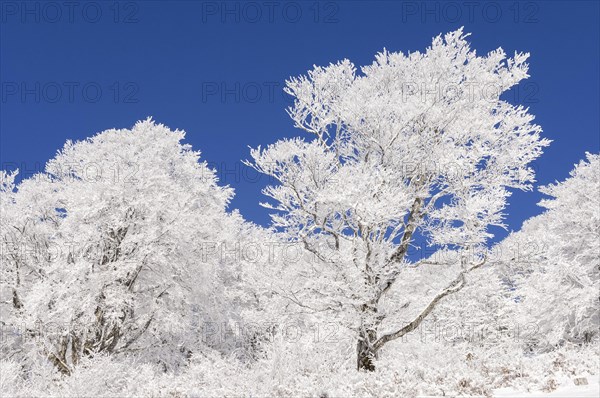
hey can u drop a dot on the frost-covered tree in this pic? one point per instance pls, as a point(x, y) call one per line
point(103, 252)
point(554, 261)
point(418, 144)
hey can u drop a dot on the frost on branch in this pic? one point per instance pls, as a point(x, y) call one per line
point(556, 261)
point(417, 144)
point(103, 252)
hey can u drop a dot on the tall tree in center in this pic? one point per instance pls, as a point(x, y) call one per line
point(418, 144)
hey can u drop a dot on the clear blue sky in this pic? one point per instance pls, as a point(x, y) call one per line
point(216, 70)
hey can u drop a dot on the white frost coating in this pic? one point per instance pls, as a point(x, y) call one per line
point(124, 274)
point(417, 143)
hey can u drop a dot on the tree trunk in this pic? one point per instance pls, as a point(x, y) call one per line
point(365, 352)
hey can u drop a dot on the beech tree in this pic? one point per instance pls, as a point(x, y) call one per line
point(554, 260)
point(417, 144)
point(102, 252)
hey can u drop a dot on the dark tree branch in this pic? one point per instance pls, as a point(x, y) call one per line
point(454, 286)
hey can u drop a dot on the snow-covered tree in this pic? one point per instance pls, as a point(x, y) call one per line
point(104, 252)
point(554, 260)
point(418, 144)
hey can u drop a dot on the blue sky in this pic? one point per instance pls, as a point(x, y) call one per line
point(216, 69)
